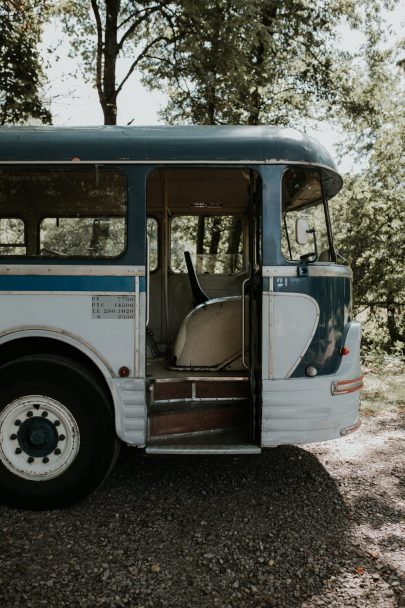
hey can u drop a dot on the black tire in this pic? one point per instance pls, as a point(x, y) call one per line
point(83, 404)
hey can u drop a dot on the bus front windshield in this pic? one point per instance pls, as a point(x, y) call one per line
point(306, 234)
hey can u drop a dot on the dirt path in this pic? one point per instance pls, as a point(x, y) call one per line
point(317, 525)
point(369, 471)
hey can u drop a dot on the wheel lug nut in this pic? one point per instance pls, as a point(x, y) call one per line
point(29, 414)
point(57, 451)
point(57, 422)
point(17, 422)
point(45, 460)
point(44, 414)
point(18, 450)
point(62, 437)
point(13, 436)
point(31, 459)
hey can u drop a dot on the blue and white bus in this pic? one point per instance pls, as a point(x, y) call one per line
point(173, 288)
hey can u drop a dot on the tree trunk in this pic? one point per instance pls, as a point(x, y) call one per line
point(200, 241)
point(109, 103)
point(268, 14)
point(99, 236)
point(214, 243)
point(233, 245)
point(395, 334)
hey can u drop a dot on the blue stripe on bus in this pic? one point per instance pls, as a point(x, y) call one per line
point(69, 283)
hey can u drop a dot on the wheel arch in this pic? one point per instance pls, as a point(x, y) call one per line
point(23, 342)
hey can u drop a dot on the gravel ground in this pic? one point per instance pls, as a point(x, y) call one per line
point(318, 525)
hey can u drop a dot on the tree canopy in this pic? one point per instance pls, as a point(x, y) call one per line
point(263, 61)
point(21, 75)
point(369, 216)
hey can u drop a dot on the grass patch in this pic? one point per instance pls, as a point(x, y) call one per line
point(384, 385)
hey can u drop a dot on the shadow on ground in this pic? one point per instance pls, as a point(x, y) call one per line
point(181, 532)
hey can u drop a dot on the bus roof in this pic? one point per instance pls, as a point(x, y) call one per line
point(161, 143)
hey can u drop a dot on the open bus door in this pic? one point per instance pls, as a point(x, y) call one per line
point(203, 387)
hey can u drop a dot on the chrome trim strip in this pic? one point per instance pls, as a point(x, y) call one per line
point(146, 162)
point(269, 161)
point(318, 270)
point(70, 269)
point(343, 387)
point(200, 379)
point(330, 271)
point(137, 329)
point(245, 365)
point(67, 293)
point(351, 429)
point(202, 449)
point(194, 400)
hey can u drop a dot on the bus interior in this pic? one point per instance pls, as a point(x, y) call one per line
point(202, 255)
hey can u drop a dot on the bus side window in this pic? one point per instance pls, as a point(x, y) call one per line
point(153, 238)
point(12, 236)
point(63, 212)
point(214, 242)
point(82, 236)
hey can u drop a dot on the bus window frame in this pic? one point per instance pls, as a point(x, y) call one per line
point(325, 202)
point(83, 259)
point(244, 236)
point(322, 201)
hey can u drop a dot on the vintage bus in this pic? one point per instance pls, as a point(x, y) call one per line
point(173, 288)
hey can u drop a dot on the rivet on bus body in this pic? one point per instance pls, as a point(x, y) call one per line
point(311, 371)
point(344, 351)
point(123, 372)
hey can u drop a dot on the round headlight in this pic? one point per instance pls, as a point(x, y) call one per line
point(311, 371)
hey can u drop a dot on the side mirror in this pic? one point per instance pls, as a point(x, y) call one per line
point(301, 230)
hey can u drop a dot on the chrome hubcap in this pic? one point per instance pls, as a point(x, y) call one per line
point(39, 437)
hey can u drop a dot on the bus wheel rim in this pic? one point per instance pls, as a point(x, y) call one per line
point(39, 437)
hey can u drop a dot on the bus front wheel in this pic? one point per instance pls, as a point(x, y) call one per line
point(57, 432)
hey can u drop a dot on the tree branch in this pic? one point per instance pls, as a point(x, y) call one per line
point(136, 62)
point(136, 24)
point(99, 55)
point(146, 12)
